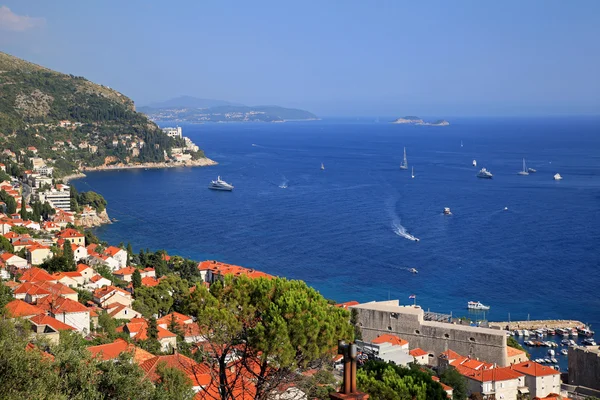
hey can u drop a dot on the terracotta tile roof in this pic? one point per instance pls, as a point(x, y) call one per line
point(199, 374)
point(450, 355)
point(43, 319)
point(57, 288)
point(112, 350)
point(32, 289)
point(70, 233)
point(124, 271)
point(35, 274)
point(19, 309)
point(180, 319)
point(511, 352)
point(57, 305)
point(82, 267)
point(347, 304)
point(489, 375)
point(105, 290)
point(222, 269)
point(7, 256)
point(534, 369)
point(112, 250)
point(387, 338)
point(138, 327)
point(150, 281)
point(444, 386)
point(418, 352)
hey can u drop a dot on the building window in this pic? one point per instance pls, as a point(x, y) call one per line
point(446, 336)
point(472, 339)
point(389, 328)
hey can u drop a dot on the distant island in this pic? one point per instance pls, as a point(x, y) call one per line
point(195, 110)
point(412, 120)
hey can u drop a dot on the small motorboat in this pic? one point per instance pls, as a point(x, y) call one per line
point(474, 163)
point(564, 352)
point(554, 360)
point(557, 177)
point(505, 208)
point(413, 271)
point(447, 211)
point(588, 342)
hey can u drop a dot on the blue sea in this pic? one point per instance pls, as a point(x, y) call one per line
point(343, 229)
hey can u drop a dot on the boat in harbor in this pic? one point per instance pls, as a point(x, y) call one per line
point(447, 211)
point(476, 305)
point(557, 177)
point(588, 342)
point(404, 164)
point(484, 173)
point(524, 171)
point(564, 352)
point(220, 184)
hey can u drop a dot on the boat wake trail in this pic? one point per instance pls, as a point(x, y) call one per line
point(397, 226)
point(401, 231)
point(284, 184)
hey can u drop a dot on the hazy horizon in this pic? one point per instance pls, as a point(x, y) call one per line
point(336, 59)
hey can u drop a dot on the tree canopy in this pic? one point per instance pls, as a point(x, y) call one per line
point(275, 326)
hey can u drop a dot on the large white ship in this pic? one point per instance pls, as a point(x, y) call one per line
point(220, 184)
point(484, 173)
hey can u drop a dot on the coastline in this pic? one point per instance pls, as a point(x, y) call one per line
point(203, 162)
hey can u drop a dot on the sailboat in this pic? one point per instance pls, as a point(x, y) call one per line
point(413, 172)
point(404, 164)
point(524, 172)
point(461, 145)
point(322, 166)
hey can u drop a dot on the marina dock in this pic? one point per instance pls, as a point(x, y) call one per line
point(537, 324)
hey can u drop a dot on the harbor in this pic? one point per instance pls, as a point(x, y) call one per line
point(536, 324)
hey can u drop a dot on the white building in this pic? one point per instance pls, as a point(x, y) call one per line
point(173, 132)
point(539, 379)
point(58, 199)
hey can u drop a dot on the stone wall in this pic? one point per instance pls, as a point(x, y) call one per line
point(407, 322)
point(584, 366)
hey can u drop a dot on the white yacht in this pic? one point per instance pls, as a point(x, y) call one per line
point(557, 177)
point(525, 171)
point(475, 305)
point(404, 164)
point(447, 211)
point(413, 271)
point(220, 184)
point(474, 163)
point(485, 174)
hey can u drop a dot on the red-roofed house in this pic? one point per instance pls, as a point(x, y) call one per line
point(50, 226)
point(391, 339)
point(121, 311)
point(421, 356)
point(137, 329)
point(30, 292)
point(68, 311)
point(46, 326)
point(540, 379)
point(113, 350)
point(21, 309)
point(12, 260)
point(515, 356)
point(37, 253)
point(503, 383)
point(118, 254)
point(69, 278)
point(210, 271)
point(449, 390)
point(148, 273)
point(72, 235)
point(125, 274)
point(199, 374)
point(86, 272)
point(97, 281)
point(150, 281)
point(111, 294)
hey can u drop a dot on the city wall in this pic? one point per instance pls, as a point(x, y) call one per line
point(408, 322)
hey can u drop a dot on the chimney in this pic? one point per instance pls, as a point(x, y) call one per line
point(348, 390)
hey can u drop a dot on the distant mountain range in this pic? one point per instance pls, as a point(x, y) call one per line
point(192, 109)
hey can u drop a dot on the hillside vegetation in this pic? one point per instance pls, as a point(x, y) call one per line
point(72, 122)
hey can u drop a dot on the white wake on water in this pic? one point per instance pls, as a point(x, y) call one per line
point(284, 184)
point(401, 231)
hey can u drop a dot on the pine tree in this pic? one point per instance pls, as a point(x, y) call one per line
point(23, 209)
point(69, 256)
point(136, 279)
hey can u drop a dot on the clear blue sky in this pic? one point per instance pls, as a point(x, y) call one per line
point(333, 57)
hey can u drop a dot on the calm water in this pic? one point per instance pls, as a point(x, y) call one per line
point(340, 229)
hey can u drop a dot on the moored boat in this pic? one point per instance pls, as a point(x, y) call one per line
point(524, 171)
point(557, 177)
point(484, 173)
point(220, 184)
point(476, 305)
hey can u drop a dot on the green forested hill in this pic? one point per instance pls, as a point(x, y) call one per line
point(102, 125)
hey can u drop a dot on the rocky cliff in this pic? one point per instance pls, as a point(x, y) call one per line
point(93, 221)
